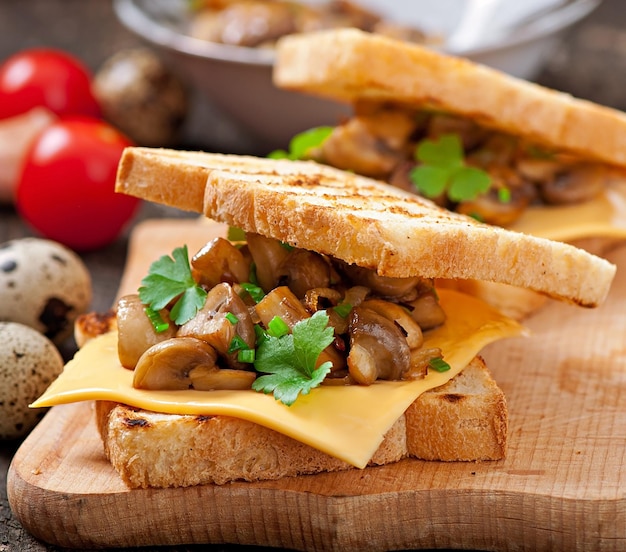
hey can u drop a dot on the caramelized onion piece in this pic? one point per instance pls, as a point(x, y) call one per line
point(324, 299)
point(419, 361)
point(320, 298)
point(378, 350)
point(167, 364)
point(212, 325)
point(220, 261)
point(427, 311)
point(136, 333)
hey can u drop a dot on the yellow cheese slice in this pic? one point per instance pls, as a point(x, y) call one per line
point(348, 422)
point(602, 217)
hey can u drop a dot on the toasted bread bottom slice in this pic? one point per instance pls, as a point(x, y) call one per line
point(465, 419)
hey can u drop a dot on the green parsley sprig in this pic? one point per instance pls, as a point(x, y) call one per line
point(302, 143)
point(443, 170)
point(288, 362)
point(169, 279)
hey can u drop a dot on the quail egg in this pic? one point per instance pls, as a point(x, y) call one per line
point(44, 285)
point(142, 97)
point(29, 363)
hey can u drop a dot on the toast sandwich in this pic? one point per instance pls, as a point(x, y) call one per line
point(551, 165)
point(380, 248)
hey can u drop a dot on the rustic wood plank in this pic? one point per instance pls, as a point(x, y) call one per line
point(562, 485)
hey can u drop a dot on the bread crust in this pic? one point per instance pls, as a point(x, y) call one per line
point(361, 221)
point(350, 65)
point(149, 449)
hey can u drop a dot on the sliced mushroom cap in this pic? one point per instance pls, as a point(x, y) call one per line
point(378, 350)
point(212, 323)
point(167, 364)
point(399, 315)
point(427, 311)
point(490, 207)
point(283, 303)
point(302, 270)
point(370, 145)
point(380, 285)
point(136, 333)
point(470, 133)
point(220, 261)
point(575, 184)
point(267, 254)
point(207, 378)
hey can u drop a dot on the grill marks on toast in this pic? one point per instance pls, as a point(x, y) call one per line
point(360, 221)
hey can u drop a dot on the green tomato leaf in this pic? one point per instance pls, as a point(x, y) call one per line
point(467, 183)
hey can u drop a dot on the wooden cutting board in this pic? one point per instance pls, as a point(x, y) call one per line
point(562, 486)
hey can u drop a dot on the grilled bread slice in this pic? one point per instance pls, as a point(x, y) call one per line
point(361, 221)
point(465, 419)
point(350, 65)
point(373, 69)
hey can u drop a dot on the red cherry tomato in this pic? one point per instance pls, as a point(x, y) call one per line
point(66, 187)
point(45, 77)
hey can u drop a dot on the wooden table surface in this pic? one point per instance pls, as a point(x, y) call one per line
point(590, 64)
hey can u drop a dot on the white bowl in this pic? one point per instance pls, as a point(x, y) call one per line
point(237, 81)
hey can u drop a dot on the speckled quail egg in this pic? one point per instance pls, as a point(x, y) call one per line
point(29, 363)
point(44, 285)
point(141, 96)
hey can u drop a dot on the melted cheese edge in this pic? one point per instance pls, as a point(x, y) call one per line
point(602, 217)
point(348, 422)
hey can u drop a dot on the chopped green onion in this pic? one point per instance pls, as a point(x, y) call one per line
point(277, 327)
point(439, 365)
point(343, 310)
point(237, 344)
point(231, 318)
point(158, 323)
point(260, 333)
point(252, 274)
point(504, 195)
point(287, 246)
point(246, 355)
point(255, 291)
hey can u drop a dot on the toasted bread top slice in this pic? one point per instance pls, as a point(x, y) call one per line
point(360, 221)
point(349, 65)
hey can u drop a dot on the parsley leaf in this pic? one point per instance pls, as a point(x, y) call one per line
point(288, 362)
point(443, 169)
point(301, 143)
point(170, 278)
